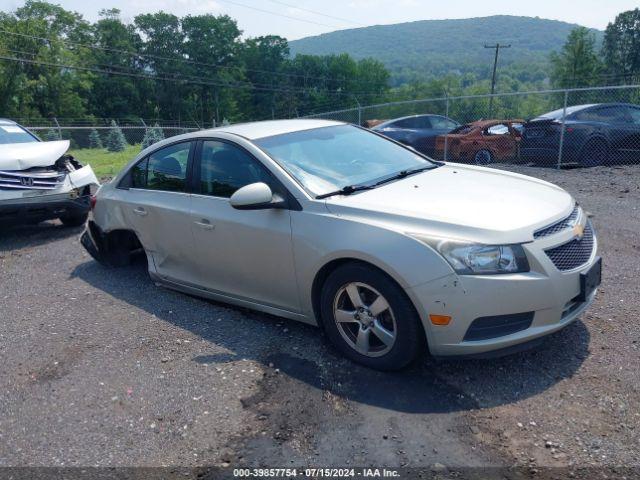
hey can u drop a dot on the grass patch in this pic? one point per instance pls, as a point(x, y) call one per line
point(104, 162)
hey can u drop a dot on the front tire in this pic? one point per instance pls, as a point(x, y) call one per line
point(594, 153)
point(76, 220)
point(369, 318)
point(483, 157)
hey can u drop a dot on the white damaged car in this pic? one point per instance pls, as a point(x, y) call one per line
point(40, 181)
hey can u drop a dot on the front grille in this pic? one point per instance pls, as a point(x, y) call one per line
point(575, 253)
point(31, 180)
point(563, 224)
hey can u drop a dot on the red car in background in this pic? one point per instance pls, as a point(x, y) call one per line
point(481, 142)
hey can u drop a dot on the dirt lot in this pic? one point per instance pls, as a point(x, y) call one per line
point(99, 367)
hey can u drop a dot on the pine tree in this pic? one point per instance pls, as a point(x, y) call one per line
point(52, 135)
point(115, 139)
point(94, 139)
point(152, 135)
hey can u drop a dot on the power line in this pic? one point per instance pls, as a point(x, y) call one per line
point(174, 79)
point(318, 13)
point(160, 57)
point(278, 14)
point(140, 75)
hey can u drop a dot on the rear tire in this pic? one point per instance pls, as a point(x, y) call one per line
point(594, 153)
point(483, 157)
point(76, 220)
point(384, 331)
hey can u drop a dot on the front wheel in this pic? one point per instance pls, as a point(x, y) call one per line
point(75, 220)
point(370, 319)
point(594, 153)
point(482, 157)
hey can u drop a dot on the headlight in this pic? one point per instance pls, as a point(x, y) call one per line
point(472, 259)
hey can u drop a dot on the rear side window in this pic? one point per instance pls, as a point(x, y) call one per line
point(442, 123)
point(164, 169)
point(500, 129)
point(605, 114)
point(634, 114)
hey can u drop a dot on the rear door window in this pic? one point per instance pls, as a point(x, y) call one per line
point(165, 169)
point(634, 115)
point(442, 123)
point(604, 114)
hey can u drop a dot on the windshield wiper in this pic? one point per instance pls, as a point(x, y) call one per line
point(348, 190)
point(405, 173)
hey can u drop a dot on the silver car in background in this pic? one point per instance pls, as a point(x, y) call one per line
point(391, 253)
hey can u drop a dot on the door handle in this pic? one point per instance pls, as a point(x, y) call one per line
point(140, 211)
point(205, 224)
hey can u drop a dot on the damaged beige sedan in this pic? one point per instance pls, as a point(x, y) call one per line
point(390, 252)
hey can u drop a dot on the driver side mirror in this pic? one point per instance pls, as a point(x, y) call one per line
point(256, 196)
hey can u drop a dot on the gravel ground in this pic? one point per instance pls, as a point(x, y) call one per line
point(99, 367)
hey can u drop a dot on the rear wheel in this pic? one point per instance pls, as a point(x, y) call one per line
point(594, 153)
point(74, 220)
point(482, 157)
point(369, 318)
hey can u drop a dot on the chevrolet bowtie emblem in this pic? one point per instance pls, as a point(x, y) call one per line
point(578, 231)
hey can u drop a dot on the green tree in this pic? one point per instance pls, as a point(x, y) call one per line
point(94, 139)
point(621, 46)
point(577, 64)
point(115, 138)
point(112, 96)
point(52, 135)
point(39, 88)
point(152, 135)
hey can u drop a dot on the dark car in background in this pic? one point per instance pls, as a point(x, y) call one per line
point(595, 134)
point(417, 131)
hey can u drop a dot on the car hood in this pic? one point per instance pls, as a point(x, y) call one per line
point(20, 156)
point(464, 202)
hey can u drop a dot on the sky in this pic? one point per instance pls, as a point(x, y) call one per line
point(294, 19)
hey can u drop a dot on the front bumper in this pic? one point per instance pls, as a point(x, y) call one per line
point(549, 296)
point(34, 209)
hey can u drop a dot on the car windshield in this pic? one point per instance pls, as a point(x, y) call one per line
point(330, 158)
point(12, 133)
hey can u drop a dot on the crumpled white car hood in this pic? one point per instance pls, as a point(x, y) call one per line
point(20, 156)
point(17, 157)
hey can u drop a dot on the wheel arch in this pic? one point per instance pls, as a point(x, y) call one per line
point(323, 273)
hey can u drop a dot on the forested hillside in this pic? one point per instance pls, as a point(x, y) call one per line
point(432, 48)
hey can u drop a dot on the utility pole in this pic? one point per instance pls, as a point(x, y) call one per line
point(497, 47)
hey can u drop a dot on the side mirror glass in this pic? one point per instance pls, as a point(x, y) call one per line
point(256, 196)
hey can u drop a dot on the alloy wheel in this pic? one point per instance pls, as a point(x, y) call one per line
point(364, 319)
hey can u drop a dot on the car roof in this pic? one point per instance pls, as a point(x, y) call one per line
point(576, 108)
point(6, 121)
point(387, 122)
point(269, 128)
point(489, 123)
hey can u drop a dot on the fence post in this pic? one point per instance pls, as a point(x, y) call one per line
point(59, 129)
point(446, 135)
point(564, 114)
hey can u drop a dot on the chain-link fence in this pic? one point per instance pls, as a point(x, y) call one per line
point(585, 127)
point(113, 137)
